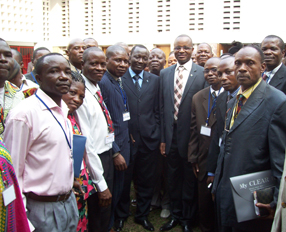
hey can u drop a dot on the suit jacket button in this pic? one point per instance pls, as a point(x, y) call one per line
point(283, 204)
point(139, 100)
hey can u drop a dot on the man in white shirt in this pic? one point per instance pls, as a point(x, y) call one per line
point(96, 121)
point(275, 74)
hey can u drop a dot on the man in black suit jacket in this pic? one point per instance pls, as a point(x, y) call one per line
point(115, 99)
point(231, 87)
point(273, 48)
point(175, 131)
point(142, 89)
point(254, 139)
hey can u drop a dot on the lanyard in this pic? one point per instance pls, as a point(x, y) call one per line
point(34, 77)
point(213, 106)
point(22, 86)
point(68, 141)
point(124, 97)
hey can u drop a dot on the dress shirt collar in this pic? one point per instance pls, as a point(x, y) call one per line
point(90, 86)
point(132, 73)
point(246, 93)
point(234, 93)
point(217, 92)
point(114, 77)
point(272, 72)
point(50, 102)
point(187, 66)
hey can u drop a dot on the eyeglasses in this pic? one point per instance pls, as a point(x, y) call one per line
point(214, 70)
point(184, 48)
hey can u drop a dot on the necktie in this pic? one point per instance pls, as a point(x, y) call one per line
point(265, 77)
point(214, 101)
point(136, 78)
point(239, 105)
point(105, 112)
point(120, 83)
point(229, 97)
point(178, 91)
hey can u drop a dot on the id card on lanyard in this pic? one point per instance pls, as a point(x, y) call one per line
point(126, 113)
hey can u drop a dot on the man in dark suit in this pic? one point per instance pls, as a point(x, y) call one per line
point(115, 99)
point(254, 139)
point(178, 85)
point(273, 48)
point(203, 124)
point(142, 89)
point(226, 73)
point(37, 54)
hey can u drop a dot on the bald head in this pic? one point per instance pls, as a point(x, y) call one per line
point(111, 50)
point(125, 46)
point(157, 61)
point(90, 42)
point(204, 52)
point(75, 51)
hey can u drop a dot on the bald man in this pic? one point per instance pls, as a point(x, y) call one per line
point(157, 61)
point(125, 46)
point(90, 42)
point(204, 52)
point(74, 52)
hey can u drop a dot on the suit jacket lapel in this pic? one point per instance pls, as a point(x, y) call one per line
point(171, 81)
point(145, 83)
point(129, 82)
point(205, 101)
point(277, 78)
point(113, 81)
point(251, 104)
point(192, 77)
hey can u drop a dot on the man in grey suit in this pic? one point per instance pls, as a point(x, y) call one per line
point(178, 85)
point(254, 139)
point(273, 48)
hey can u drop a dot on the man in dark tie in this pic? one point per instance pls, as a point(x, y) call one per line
point(178, 85)
point(273, 48)
point(225, 72)
point(254, 139)
point(203, 124)
point(115, 99)
point(142, 89)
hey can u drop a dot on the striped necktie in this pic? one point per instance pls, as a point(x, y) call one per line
point(239, 105)
point(136, 78)
point(178, 91)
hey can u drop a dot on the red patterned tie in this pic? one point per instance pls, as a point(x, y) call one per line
point(178, 91)
point(239, 105)
point(265, 77)
point(105, 112)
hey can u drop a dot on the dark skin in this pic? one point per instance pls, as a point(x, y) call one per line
point(139, 59)
point(117, 65)
point(55, 77)
point(90, 43)
point(75, 51)
point(157, 61)
point(74, 99)
point(213, 80)
point(93, 69)
point(6, 62)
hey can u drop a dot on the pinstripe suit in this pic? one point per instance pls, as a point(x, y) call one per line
point(114, 101)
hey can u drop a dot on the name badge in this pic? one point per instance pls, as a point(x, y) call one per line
point(220, 141)
point(109, 138)
point(126, 116)
point(9, 195)
point(206, 131)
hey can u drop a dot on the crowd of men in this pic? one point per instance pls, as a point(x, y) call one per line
point(179, 133)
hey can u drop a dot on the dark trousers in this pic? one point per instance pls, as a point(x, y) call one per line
point(182, 185)
point(99, 217)
point(143, 167)
point(206, 207)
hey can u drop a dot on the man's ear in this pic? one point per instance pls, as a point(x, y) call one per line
point(38, 78)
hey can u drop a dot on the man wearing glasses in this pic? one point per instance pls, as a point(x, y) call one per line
point(178, 85)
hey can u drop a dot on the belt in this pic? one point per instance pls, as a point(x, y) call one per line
point(62, 197)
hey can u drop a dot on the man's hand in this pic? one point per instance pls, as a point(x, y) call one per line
point(270, 210)
point(210, 180)
point(162, 149)
point(119, 163)
point(104, 198)
point(196, 169)
point(77, 189)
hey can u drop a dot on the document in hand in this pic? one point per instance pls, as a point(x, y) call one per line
point(242, 191)
point(78, 152)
